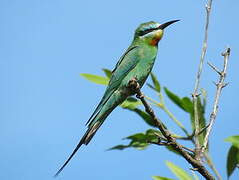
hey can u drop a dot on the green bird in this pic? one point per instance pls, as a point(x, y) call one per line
point(136, 63)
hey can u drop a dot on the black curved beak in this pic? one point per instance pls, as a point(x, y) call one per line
point(162, 26)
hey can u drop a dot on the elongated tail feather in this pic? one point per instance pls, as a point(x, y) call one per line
point(84, 140)
point(107, 107)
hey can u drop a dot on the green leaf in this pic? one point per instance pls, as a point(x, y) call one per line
point(234, 140)
point(150, 135)
point(201, 117)
point(153, 135)
point(151, 86)
point(139, 145)
point(155, 82)
point(187, 104)
point(140, 137)
point(145, 116)
point(173, 97)
point(202, 120)
point(119, 147)
point(96, 79)
point(237, 157)
point(107, 72)
point(132, 99)
point(179, 172)
point(160, 178)
point(130, 103)
point(232, 160)
point(140, 140)
point(153, 132)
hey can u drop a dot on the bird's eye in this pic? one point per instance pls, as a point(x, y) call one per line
point(146, 31)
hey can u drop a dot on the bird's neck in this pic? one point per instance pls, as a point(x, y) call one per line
point(153, 42)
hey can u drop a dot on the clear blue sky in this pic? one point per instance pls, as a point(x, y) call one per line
point(45, 45)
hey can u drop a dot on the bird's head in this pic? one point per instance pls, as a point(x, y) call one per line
point(151, 32)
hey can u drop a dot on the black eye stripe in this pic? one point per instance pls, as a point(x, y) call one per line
point(142, 33)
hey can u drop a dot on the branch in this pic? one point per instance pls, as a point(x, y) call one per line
point(133, 84)
point(197, 82)
point(220, 85)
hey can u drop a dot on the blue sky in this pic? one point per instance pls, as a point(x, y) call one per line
point(45, 45)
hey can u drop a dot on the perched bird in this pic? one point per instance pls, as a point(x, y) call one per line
point(136, 63)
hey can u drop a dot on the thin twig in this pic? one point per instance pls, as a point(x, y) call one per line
point(169, 144)
point(220, 85)
point(166, 110)
point(203, 129)
point(186, 138)
point(153, 101)
point(214, 68)
point(133, 84)
point(212, 166)
point(197, 83)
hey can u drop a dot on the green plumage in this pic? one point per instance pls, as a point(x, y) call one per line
point(137, 62)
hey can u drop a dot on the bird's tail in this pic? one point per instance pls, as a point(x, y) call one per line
point(84, 140)
point(95, 124)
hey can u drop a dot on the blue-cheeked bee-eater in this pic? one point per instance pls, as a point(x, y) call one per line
point(136, 63)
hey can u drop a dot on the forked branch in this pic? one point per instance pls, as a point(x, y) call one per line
point(220, 85)
point(197, 165)
point(197, 82)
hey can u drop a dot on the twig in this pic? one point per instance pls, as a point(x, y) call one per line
point(214, 68)
point(212, 166)
point(203, 129)
point(165, 109)
point(220, 85)
point(197, 82)
point(186, 138)
point(133, 84)
point(169, 144)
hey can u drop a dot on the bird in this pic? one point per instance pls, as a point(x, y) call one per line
point(136, 63)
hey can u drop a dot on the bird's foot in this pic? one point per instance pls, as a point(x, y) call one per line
point(133, 84)
point(135, 87)
point(140, 96)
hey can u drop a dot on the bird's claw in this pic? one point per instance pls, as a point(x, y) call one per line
point(140, 96)
point(133, 84)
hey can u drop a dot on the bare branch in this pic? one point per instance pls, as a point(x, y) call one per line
point(197, 82)
point(214, 68)
point(220, 85)
point(133, 84)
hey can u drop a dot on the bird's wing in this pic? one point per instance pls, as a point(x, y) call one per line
point(126, 63)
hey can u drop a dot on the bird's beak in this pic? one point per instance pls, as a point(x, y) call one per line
point(162, 26)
